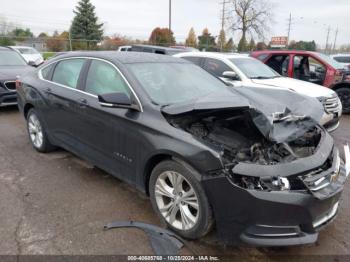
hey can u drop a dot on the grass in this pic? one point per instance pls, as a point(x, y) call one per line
point(47, 55)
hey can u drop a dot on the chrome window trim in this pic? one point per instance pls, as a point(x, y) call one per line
point(83, 92)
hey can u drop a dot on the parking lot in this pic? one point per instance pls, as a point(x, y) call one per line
point(58, 204)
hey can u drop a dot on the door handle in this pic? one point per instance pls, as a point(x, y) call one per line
point(82, 102)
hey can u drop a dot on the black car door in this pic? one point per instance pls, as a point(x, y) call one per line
point(102, 128)
point(63, 98)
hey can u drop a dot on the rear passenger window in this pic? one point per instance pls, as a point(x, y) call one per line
point(216, 67)
point(103, 78)
point(47, 72)
point(262, 57)
point(67, 72)
point(195, 60)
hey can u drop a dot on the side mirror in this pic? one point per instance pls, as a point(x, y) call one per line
point(230, 75)
point(32, 63)
point(116, 100)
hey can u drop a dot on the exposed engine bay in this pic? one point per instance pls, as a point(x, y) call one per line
point(233, 133)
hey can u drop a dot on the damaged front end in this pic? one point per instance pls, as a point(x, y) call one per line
point(276, 160)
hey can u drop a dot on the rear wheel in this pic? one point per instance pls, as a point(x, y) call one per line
point(37, 133)
point(344, 96)
point(179, 200)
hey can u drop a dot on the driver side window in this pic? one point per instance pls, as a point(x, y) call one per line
point(216, 67)
point(103, 78)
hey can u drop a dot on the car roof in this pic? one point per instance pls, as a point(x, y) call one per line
point(19, 46)
point(301, 52)
point(156, 47)
point(123, 57)
point(214, 55)
point(335, 55)
point(4, 48)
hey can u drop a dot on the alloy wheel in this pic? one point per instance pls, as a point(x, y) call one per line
point(35, 131)
point(176, 200)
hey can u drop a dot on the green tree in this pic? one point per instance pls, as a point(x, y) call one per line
point(252, 45)
point(243, 45)
point(222, 40)
point(191, 39)
point(22, 34)
point(229, 46)
point(85, 26)
point(6, 41)
point(302, 45)
point(162, 36)
point(206, 41)
point(42, 35)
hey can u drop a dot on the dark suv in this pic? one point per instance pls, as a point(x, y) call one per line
point(12, 65)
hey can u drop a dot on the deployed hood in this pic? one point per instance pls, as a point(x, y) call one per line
point(280, 115)
point(11, 72)
point(301, 87)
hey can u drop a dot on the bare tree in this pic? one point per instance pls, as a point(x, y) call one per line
point(250, 17)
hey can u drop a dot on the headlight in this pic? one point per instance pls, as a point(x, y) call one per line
point(264, 183)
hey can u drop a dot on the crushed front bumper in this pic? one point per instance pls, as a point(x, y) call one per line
point(277, 218)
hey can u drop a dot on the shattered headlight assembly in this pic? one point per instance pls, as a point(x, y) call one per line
point(262, 183)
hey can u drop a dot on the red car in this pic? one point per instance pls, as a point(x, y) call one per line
point(309, 66)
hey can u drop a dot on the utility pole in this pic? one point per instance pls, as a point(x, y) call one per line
point(223, 23)
point(335, 40)
point(289, 27)
point(70, 41)
point(327, 40)
point(170, 11)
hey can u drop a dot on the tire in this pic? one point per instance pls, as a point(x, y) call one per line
point(344, 95)
point(37, 133)
point(192, 216)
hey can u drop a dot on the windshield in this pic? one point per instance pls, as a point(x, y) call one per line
point(254, 69)
point(172, 83)
point(27, 51)
point(342, 59)
point(330, 61)
point(11, 58)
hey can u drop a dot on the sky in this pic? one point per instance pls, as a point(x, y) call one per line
point(137, 18)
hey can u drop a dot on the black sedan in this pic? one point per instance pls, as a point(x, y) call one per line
point(264, 173)
point(12, 65)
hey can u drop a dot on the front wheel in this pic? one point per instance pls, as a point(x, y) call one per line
point(179, 200)
point(344, 96)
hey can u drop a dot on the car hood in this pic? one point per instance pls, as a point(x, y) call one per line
point(11, 72)
point(280, 115)
point(301, 87)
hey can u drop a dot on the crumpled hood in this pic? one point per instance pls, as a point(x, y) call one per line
point(302, 87)
point(11, 72)
point(280, 115)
